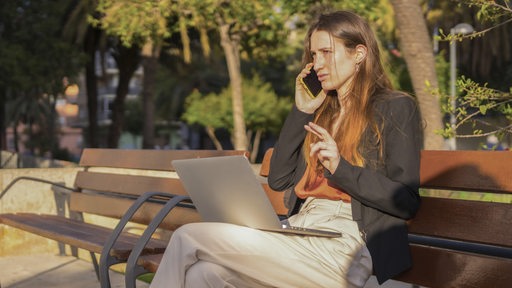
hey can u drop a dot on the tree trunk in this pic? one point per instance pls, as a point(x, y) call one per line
point(211, 133)
point(3, 127)
point(16, 137)
point(150, 54)
point(127, 61)
point(256, 145)
point(16, 144)
point(417, 50)
point(90, 45)
point(53, 137)
point(187, 54)
point(230, 45)
point(30, 132)
point(205, 44)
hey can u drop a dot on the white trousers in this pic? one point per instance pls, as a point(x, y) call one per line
point(226, 255)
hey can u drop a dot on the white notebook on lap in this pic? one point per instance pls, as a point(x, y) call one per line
point(225, 189)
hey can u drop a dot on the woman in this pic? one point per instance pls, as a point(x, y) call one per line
point(348, 158)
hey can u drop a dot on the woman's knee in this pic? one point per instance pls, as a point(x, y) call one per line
point(206, 274)
point(187, 230)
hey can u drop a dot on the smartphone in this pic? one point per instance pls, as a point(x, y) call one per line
point(311, 83)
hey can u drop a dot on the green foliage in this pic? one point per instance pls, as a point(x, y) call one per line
point(476, 100)
point(262, 108)
point(34, 57)
point(34, 61)
point(443, 72)
point(259, 26)
point(495, 13)
point(492, 11)
point(134, 22)
point(209, 111)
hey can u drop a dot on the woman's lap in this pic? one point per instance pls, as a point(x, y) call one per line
point(269, 258)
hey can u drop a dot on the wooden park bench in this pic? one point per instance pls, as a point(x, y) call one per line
point(454, 242)
point(111, 180)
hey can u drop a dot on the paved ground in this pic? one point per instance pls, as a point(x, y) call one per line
point(45, 271)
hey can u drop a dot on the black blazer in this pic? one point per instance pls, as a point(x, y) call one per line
point(384, 192)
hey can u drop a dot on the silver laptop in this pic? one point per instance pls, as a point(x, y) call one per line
point(225, 189)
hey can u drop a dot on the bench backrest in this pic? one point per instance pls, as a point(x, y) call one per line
point(470, 171)
point(461, 242)
point(113, 178)
point(276, 197)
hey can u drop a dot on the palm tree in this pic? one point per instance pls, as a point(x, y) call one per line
point(417, 50)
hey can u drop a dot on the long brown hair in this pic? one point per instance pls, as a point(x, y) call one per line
point(368, 83)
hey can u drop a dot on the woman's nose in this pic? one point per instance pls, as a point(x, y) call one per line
point(318, 63)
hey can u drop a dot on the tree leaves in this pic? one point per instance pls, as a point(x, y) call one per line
point(262, 108)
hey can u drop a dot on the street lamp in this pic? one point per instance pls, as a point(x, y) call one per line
point(459, 29)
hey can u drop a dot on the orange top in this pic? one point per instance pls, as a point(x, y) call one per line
point(318, 186)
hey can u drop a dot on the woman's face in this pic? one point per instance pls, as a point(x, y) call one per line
point(333, 63)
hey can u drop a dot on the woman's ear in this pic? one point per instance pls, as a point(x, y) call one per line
point(361, 52)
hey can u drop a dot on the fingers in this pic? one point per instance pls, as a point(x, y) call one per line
point(326, 142)
point(303, 73)
point(325, 150)
point(319, 131)
point(303, 100)
point(327, 154)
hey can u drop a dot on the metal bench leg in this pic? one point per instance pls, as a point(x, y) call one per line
point(132, 274)
point(132, 268)
point(95, 264)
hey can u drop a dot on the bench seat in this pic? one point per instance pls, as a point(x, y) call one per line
point(79, 234)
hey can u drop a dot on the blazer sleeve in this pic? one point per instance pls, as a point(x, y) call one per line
point(286, 156)
point(395, 188)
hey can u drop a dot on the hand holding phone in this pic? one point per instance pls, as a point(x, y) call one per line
point(311, 84)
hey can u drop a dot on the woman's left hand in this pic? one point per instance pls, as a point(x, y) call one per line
point(303, 101)
point(326, 149)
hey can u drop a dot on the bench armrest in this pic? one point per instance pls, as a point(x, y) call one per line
point(106, 260)
point(132, 269)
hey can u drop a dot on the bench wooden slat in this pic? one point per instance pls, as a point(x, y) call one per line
point(127, 184)
point(276, 199)
point(116, 207)
point(265, 164)
point(76, 233)
point(486, 171)
point(145, 159)
point(437, 267)
point(475, 221)
point(150, 262)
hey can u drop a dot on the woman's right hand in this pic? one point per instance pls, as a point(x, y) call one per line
point(303, 101)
